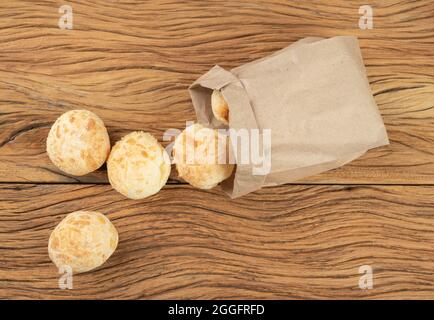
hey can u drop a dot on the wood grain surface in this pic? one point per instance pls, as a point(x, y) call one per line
point(131, 62)
point(283, 242)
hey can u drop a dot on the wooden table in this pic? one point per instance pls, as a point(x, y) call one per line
point(131, 63)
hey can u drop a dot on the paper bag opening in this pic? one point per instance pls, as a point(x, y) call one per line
point(241, 120)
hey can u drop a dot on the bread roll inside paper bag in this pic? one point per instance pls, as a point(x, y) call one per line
point(311, 106)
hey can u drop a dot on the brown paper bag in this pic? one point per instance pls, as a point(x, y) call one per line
point(314, 97)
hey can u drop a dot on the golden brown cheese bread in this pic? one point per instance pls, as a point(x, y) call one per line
point(219, 107)
point(83, 241)
point(138, 166)
point(78, 142)
point(200, 155)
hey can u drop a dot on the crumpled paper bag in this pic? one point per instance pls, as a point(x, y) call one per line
point(315, 99)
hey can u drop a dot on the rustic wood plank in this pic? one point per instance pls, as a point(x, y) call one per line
point(282, 242)
point(131, 63)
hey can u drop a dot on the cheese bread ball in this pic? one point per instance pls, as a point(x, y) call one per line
point(83, 240)
point(78, 142)
point(219, 107)
point(201, 156)
point(138, 166)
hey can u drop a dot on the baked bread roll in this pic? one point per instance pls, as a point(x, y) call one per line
point(219, 107)
point(78, 142)
point(83, 241)
point(201, 156)
point(138, 166)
